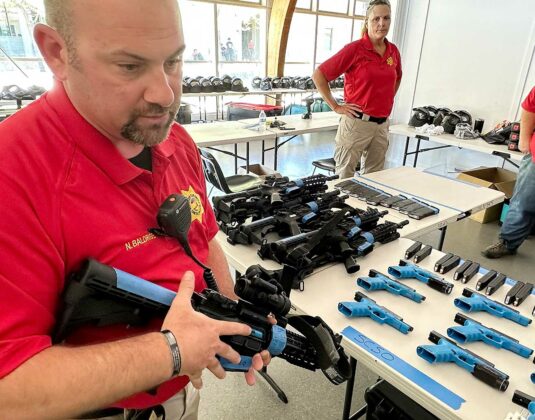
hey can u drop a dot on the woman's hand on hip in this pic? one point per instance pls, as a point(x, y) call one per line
point(348, 109)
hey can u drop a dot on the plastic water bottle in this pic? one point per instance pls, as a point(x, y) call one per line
point(262, 121)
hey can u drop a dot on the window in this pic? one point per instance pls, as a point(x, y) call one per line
point(332, 34)
point(357, 29)
point(20, 61)
point(304, 4)
point(241, 37)
point(300, 49)
point(199, 58)
point(360, 7)
point(336, 6)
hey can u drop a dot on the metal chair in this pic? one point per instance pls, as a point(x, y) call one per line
point(328, 165)
point(227, 184)
point(325, 164)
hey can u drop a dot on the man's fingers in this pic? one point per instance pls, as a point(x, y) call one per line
point(229, 353)
point(216, 368)
point(233, 328)
point(257, 363)
point(250, 377)
point(196, 381)
point(266, 357)
point(186, 288)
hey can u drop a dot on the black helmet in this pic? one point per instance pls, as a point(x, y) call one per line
point(440, 114)
point(237, 85)
point(276, 83)
point(332, 83)
point(450, 121)
point(206, 85)
point(295, 81)
point(285, 82)
point(256, 82)
point(432, 113)
point(465, 116)
point(217, 84)
point(305, 83)
point(340, 82)
point(227, 81)
point(420, 116)
point(265, 84)
point(194, 86)
point(185, 86)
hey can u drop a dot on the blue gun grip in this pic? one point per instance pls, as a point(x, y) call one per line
point(353, 309)
point(243, 366)
point(433, 354)
point(401, 272)
point(464, 334)
point(370, 283)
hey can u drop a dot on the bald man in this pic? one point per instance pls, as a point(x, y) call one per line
point(85, 169)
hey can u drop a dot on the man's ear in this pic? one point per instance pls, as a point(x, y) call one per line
point(53, 49)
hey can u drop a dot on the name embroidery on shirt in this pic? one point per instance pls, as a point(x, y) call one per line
point(139, 241)
point(197, 210)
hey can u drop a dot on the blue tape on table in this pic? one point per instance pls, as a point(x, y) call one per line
point(399, 365)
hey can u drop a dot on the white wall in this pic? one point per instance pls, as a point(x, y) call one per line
point(476, 55)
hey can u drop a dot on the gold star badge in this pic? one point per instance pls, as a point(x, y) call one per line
point(390, 61)
point(197, 210)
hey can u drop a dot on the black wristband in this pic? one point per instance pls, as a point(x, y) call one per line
point(175, 352)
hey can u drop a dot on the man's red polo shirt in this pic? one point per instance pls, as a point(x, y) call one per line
point(67, 195)
point(529, 105)
point(370, 80)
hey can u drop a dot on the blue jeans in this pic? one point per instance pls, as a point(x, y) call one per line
point(521, 216)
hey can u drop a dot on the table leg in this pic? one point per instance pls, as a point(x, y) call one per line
point(263, 150)
point(235, 158)
point(275, 152)
point(442, 237)
point(407, 141)
point(416, 155)
point(349, 389)
point(247, 156)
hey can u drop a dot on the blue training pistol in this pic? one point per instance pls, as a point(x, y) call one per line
point(379, 281)
point(472, 301)
point(366, 307)
point(445, 350)
point(472, 330)
point(407, 270)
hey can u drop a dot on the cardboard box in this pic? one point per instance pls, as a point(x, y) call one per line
point(496, 179)
point(258, 169)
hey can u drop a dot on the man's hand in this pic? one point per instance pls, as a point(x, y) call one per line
point(348, 109)
point(523, 146)
point(198, 336)
point(259, 360)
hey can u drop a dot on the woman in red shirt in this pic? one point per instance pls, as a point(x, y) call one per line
point(372, 68)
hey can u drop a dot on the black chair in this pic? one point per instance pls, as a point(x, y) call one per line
point(328, 165)
point(325, 164)
point(227, 184)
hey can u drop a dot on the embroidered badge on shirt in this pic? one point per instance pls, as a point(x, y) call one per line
point(390, 61)
point(197, 210)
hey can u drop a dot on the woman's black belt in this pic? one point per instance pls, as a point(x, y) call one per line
point(366, 117)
